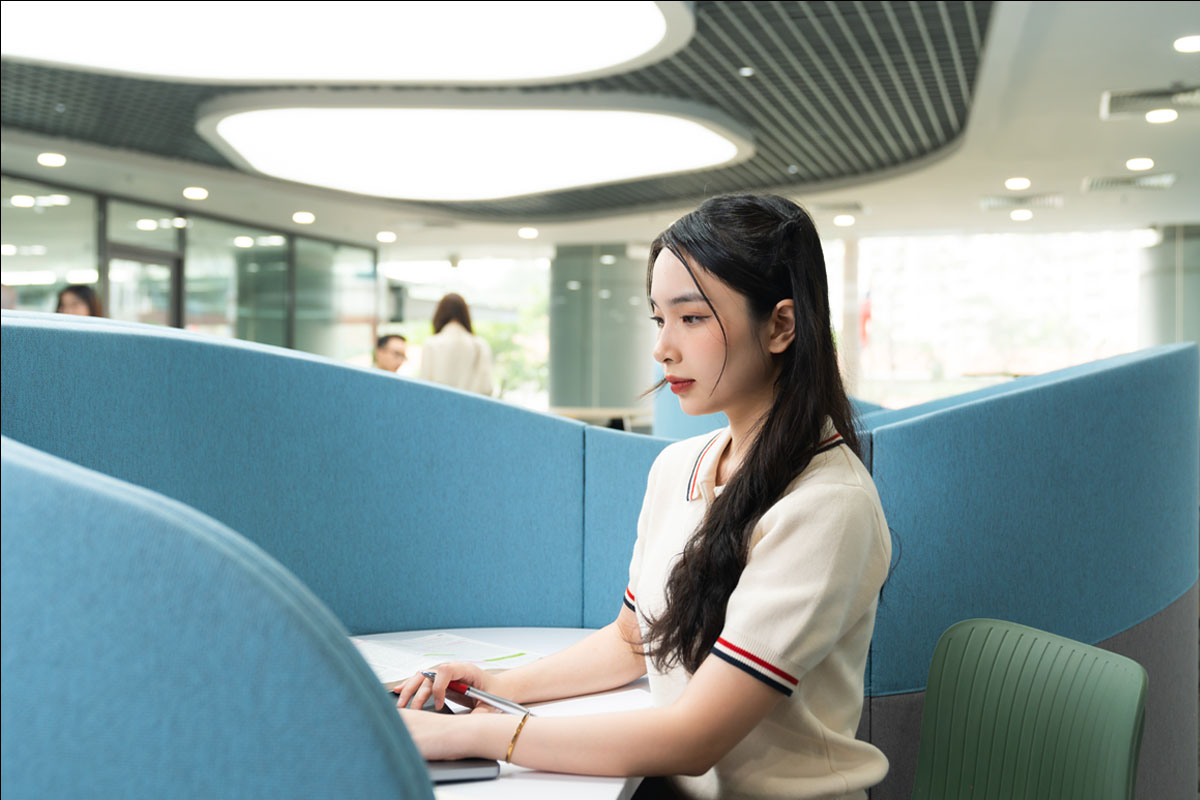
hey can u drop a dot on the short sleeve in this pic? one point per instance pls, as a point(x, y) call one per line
point(639, 546)
point(816, 564)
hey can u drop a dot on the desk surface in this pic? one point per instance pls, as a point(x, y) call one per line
point(519, 782)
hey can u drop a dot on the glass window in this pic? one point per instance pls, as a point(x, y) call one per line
point(139, 291)
point(49, 241)
point(336, 300)
point(235, 281)
point(144, 226)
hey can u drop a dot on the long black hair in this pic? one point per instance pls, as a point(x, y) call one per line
point(766, 248)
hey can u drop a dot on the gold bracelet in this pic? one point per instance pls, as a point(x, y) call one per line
point(513, 743)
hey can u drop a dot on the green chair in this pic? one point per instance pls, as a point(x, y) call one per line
point(1014, 713)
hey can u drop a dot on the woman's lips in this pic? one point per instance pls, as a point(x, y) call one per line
point(680, 385)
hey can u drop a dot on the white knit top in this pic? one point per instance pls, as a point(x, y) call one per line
point(800, 619)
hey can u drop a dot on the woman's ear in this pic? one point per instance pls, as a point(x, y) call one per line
point(781, 328)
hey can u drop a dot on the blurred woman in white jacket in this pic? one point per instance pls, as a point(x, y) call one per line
point(454, 355)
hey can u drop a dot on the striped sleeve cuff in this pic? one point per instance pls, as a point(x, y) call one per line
point(752, 665)
point(629, 600)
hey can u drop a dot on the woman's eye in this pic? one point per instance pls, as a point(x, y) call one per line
point(657, 321)
point(691, 319)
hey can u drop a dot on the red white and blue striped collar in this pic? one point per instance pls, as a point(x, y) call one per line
point(702, 480)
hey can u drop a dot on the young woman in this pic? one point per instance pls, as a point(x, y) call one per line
point(760, 554)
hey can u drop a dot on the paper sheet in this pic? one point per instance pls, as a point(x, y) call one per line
point(393, 659)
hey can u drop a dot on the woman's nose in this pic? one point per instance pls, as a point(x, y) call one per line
point(664, 350)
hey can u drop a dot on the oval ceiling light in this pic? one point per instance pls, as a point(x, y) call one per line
point(843, 220)
point(385, 237)
point(362, 42)
point(195, 192)
point(1188, 44)
point(1017, 184)
point(1020, 215)
point(304, 218)
point(527, 233)
point(430, 146)
point(1139, 164)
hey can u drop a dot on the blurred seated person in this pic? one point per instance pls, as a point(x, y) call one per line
point(391, 351)
point(81, 300)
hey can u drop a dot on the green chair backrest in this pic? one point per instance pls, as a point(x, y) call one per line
point(1012, 712)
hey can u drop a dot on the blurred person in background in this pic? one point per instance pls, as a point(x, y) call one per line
point(391, 352)
point(454, 355)
point(81, 300)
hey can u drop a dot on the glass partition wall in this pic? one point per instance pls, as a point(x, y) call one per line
point(161, 266)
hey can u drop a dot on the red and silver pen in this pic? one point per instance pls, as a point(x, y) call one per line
point(505, 705)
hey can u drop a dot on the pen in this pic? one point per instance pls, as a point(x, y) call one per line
point(505, 705)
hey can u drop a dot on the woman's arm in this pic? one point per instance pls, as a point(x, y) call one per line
point(609, 658)
point(719, 707)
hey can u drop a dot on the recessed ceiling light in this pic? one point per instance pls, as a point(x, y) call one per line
point(179, 222)
point(746, 72)
point(608, 260)
point(1020, 215)
point(195, 193)
point(146, 224)
point(243, 241)
point(362, 42)
point(82, 276)
point(1161, 115)
point(8, 250)
point(574, 286)
point(60, 199)
point(527, 233)
point(304, 218)
point(843, 220)
point(385, 237)
point(375, 146)
point(1139, 164)
point(1017, 184)
point(1188, 44)
point(604, 294)
point(51, 159)
point(23, 201)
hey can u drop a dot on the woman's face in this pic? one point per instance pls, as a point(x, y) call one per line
point(71, 303)
point(692, 349)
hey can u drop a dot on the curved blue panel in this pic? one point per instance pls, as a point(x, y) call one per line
point(616, 466)
point(151, 652)
point(1069, 504)
point(380, 493)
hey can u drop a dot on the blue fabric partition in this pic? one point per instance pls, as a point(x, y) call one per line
point(616, 466)
point(1068, 503)
point(376, 491)
point(149, 651)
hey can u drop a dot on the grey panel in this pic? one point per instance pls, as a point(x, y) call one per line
point(1166, 645)
point(840, 89)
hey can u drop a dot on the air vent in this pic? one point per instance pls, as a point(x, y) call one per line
point(1163, 180)
point(1126, 105)
point(852, 207)
point(1008, 202)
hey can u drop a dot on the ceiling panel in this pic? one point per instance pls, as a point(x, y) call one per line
point(840, 90)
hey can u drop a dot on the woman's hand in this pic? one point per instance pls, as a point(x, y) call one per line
point(416, 690)
point(437, 736)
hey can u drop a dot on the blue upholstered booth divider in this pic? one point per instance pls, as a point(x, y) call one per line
point(374, 490)
point(149, 651)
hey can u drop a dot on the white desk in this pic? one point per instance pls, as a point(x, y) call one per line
point(519, 782)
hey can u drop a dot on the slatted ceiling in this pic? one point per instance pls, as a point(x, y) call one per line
point(840, 89)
